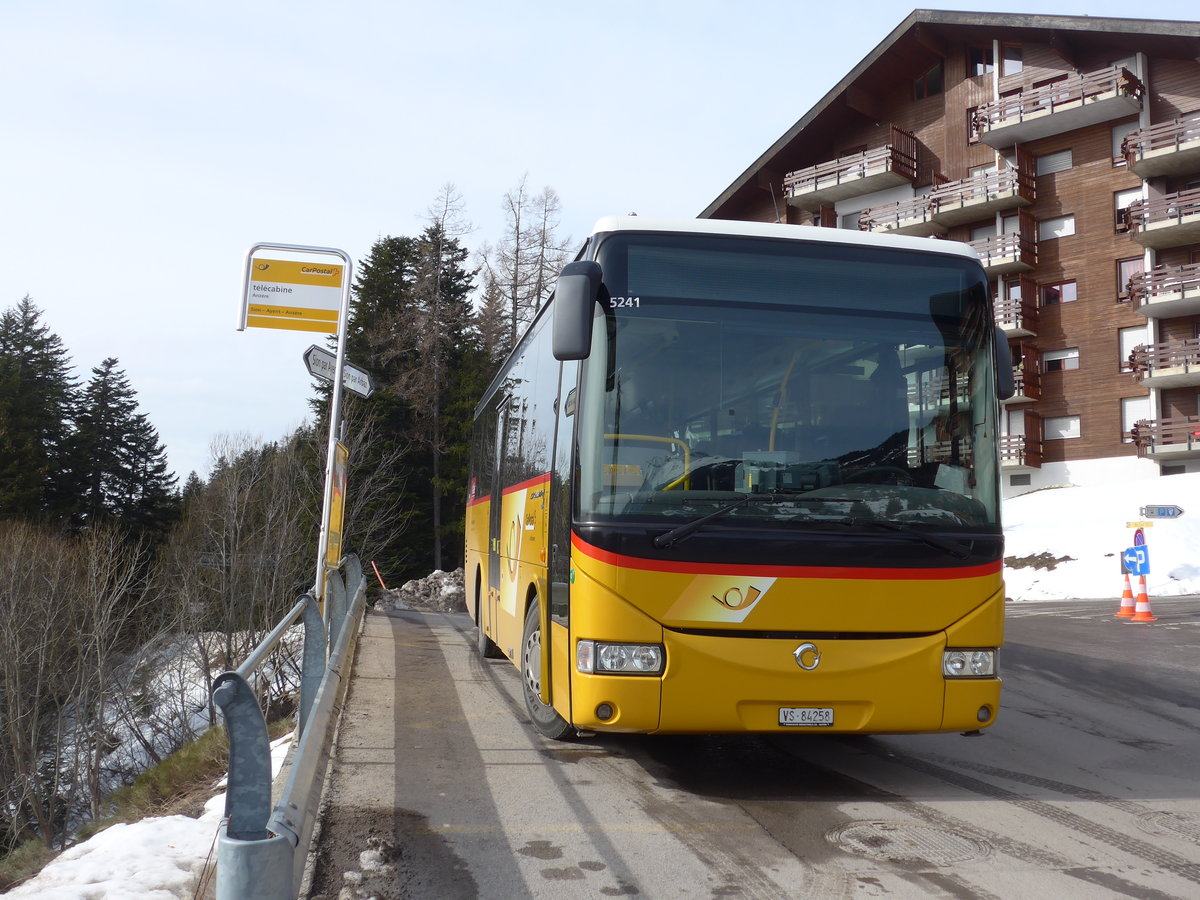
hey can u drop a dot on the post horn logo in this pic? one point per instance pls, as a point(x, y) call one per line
point(735, 599)
point(808, 657)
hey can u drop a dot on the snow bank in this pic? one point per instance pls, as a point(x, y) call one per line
point(1085, 530)
point(156, 859)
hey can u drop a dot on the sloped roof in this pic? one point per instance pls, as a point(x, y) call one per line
point(1177, 39)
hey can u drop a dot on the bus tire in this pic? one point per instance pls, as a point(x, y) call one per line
point(544, 717)
point(483, 644)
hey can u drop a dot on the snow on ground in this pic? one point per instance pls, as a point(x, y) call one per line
point(1090, 526)
point(1083, 528)
point(161, 858)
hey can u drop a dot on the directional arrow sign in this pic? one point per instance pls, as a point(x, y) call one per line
point(322, 364)
point(1161, 512)
point(1137, 560)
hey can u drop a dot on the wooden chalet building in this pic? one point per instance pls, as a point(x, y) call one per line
point(1066, 150)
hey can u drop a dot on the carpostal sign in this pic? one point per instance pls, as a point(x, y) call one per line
point(298, 296)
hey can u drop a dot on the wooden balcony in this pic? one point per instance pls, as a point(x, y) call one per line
point(1020, 453)
point(972, 199)
point(1017, 317)
point(1165, 440)
point(1075, 101)
point(1167, 292)
point(1168, 364)
point(1170, 221)
point(913, 216)
point(854, 175)
point(1169, 148)
point(1006, 253)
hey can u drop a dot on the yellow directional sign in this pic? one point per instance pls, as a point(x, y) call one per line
point(1139, 524)
point(299, 296)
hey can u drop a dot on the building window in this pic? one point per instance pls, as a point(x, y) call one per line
point(1061, 427)
point(1133, 410)
point(979, 61)
point(1021, 480)
point(1012, 290)
point(1060, 360)
point(973, 126)
point(1063, 292)
point(1058, 161)
point(1012, 59)
point(983, 232)
point(1127, 340)
point(1127, 269)
point(929, 84)
point(1119, 133)
point(1062, 226)
point(1121, 202)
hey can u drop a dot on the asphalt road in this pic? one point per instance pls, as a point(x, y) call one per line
point(1087, 786)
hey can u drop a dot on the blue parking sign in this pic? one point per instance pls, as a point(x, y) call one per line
point(1137, 560)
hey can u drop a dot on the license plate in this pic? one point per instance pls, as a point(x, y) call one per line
point(811, 716)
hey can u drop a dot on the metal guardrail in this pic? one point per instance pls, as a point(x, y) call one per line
point(261, 851)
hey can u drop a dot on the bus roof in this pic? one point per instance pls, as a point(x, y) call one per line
point(608, 224)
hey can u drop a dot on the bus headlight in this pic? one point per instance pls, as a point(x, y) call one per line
point(969, 663)
point(600, 658)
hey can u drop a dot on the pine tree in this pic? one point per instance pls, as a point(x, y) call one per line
point(37, 392)
point(120, 466)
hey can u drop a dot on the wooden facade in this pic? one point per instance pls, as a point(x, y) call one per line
point(937, 77)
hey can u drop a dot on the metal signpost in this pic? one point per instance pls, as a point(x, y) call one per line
point(306, 294)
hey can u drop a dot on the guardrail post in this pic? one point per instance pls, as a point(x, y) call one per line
point(335, 599)
point(248, 798)
point(313, 665)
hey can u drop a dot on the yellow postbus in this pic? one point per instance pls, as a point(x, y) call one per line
point(740, 477)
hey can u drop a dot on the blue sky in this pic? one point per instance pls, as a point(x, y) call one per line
point(148, 145)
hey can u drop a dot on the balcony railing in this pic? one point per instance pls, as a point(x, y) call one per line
point(1177, 438)
point(1072, 102)
point(1006, 253)
point(1017, 317)
point(1170, 221)
point(1028, 386)
point(1167, 292)
point(1168, 148)
point(1017, 451)
point(1167, 364)
point(913, 216)
point(855, 174)
point(975, 198)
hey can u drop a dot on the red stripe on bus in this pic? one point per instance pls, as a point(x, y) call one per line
point(697, 568)
point(532, 482)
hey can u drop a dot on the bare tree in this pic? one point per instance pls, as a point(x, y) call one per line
point(523, 265)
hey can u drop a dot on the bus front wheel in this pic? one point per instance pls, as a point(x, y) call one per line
point(545, 719)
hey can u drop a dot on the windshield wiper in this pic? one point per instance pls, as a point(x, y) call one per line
point(940, 543)
point(675, 535)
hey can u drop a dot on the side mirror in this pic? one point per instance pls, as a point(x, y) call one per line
point(1005, 384)
point(575, 298)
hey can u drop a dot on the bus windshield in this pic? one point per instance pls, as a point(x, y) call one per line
point(831, 382)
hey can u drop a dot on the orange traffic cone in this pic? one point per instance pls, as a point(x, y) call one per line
point(1142, 611)
point(1127, 604)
